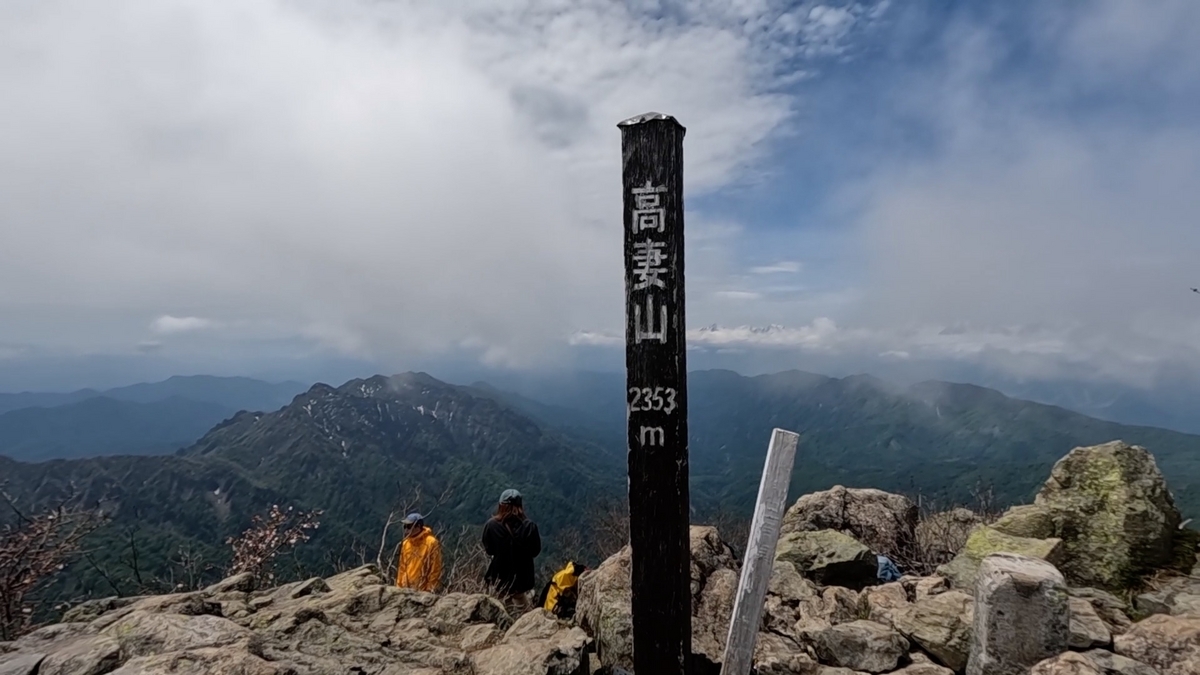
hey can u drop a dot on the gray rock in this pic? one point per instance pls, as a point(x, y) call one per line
point(480, 636)
point(861, 645)
point(144, 633)
point(537, 644)
point(1169, 643)
point(829, 558)
point(455, 611)
point(880, 603)
point(20, 663)
point(89, 656)
point(203, 662)
point(882, 521)
point(1112, 610)
point(1087, 628)
point(941, 625)
point(603, 608)
point(924, 669)
point(1022, 615)
point(775, 654)
point(243, 582)
point(1069, 663)
point(1109, 663)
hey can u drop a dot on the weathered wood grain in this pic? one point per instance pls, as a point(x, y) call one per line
point(656, 380)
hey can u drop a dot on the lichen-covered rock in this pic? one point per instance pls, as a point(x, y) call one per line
point(941, 625)
point(882, 521)
point(1169, 643)
point(1087, 629)
point(861, 645)
point(1111, 507)
point(829, 558)
point(1029, 521)
point(984, 541)
point(1022, 615)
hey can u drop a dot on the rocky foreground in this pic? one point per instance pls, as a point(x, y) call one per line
point(1053, 588)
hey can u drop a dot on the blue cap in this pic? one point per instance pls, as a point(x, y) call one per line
point(510, 496)
point(413, 518)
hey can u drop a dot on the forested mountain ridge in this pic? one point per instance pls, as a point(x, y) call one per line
point(357, 452)
point(940, 439)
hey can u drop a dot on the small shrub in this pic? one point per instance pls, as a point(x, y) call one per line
point(255, 549)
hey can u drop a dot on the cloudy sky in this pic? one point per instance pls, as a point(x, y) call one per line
point(305, 187)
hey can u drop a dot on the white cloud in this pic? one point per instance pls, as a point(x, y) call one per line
point(385, 179)
point(170, 325)
point(781, 267)
point(738, 295)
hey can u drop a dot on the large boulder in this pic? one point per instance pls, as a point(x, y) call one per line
point(537, 644)
point(1111, 507)
point(985, 541)
point(941, 625)
point(1022, 615)
point(882, 521)
point(603, 608)
point(829, 558)
point(1169, 643)
point(861, 645)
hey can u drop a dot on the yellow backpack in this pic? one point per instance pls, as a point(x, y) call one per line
point(561, 592)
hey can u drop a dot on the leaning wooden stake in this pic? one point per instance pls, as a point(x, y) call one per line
point(760, 554)
point(656, 380)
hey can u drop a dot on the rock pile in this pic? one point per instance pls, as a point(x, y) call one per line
point(1040, 591)
point(351, 623)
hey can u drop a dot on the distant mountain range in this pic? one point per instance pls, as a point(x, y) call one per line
point(936, 438)
point(357, 450)
point(237, 393)
point(142, 419)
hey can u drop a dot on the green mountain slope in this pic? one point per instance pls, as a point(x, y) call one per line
point(935, 438)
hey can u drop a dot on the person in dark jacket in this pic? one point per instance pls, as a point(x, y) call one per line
point(512, 541)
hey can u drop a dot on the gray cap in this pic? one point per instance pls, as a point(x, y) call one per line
point(412, 519)
point(510, 496)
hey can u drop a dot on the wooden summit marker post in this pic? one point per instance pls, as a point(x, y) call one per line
point(656, 381)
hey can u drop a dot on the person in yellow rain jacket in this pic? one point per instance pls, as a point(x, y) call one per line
point(420, 564)
point(561, 592)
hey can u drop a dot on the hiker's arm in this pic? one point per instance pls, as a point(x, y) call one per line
point(436, 577)
point(490, 538)
point(535, 541)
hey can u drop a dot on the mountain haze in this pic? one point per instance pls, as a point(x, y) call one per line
point(141, 419)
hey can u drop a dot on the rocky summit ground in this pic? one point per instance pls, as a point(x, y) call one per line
point(1099, 570)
